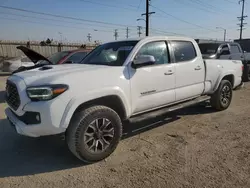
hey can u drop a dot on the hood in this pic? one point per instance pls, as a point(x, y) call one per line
point(49, 73)
point(32, 55)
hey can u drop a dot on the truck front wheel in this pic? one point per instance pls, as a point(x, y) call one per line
point(222, 97)
point(94, 133)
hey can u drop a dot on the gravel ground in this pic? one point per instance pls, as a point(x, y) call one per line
point(195, 147)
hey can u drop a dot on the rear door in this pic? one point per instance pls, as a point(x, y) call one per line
point(190, 70)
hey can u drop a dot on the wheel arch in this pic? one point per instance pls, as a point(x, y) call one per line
point(112, 101)
point(229, 77)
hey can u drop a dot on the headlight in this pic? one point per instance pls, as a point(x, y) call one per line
point(43, 93)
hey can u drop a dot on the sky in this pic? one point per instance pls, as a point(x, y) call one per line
point(100, 18)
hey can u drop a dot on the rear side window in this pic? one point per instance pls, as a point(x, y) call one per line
point(183, 50)
point(234, 49)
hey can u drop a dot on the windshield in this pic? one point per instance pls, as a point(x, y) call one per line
point(208, 48)
point(111, 54)
point(55, 58)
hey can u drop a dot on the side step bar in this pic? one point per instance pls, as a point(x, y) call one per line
point(172, 108)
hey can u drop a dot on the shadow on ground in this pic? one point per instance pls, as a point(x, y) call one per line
point(20, 156)
point(2, 97)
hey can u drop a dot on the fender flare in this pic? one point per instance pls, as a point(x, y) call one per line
point(75, 102)
point(222, 75)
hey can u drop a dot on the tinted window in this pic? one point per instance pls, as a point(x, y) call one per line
point(55, 58)
point(234, 49)
point(183, 50)
point(225, 50)
point(77, 57)
point(208, 48)
point(156, 49)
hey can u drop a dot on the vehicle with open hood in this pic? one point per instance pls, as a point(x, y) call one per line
point(38, 60)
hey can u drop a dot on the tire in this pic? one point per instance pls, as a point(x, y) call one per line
point(224, 90)
point(83, 126)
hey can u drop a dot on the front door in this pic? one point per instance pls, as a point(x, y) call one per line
point(153, 86)
point(190, 70)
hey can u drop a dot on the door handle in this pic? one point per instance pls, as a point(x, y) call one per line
point(197, 68)
point(170, 72)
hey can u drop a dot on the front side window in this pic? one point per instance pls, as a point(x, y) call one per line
point(157, 49)
point(111, 54)
point(183, 50)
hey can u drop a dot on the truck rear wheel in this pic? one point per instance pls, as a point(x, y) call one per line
point(222, 97)
point(94, 133)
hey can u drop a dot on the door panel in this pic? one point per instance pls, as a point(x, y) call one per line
point(190, 70)
point(236, 53)
point(153, 86)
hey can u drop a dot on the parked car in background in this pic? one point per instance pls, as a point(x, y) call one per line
point(117, 81)
point(12, 64)
point(227, 50)
point(37, 60)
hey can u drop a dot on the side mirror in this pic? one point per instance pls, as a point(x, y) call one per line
point(68, 62)
point(143, 60)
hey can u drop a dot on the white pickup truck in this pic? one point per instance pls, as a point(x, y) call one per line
point(117, 81)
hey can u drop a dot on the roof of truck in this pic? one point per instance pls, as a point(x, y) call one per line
point(157, 38)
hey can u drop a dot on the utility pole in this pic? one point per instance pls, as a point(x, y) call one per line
point(116, 34)
point(89, 37)
point(139, 30)
point(225, 32)
point(127, 31)
point(147, 14)
point(242, 18)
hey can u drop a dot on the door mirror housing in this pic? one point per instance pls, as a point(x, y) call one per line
point(143, 60)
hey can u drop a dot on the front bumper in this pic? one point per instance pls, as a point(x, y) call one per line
point(35, 130)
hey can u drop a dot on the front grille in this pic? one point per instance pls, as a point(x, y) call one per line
point(12, 96)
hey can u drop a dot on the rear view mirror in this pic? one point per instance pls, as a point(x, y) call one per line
point(143, 60)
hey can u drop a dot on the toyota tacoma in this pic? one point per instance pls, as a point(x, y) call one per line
point(118, 81)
